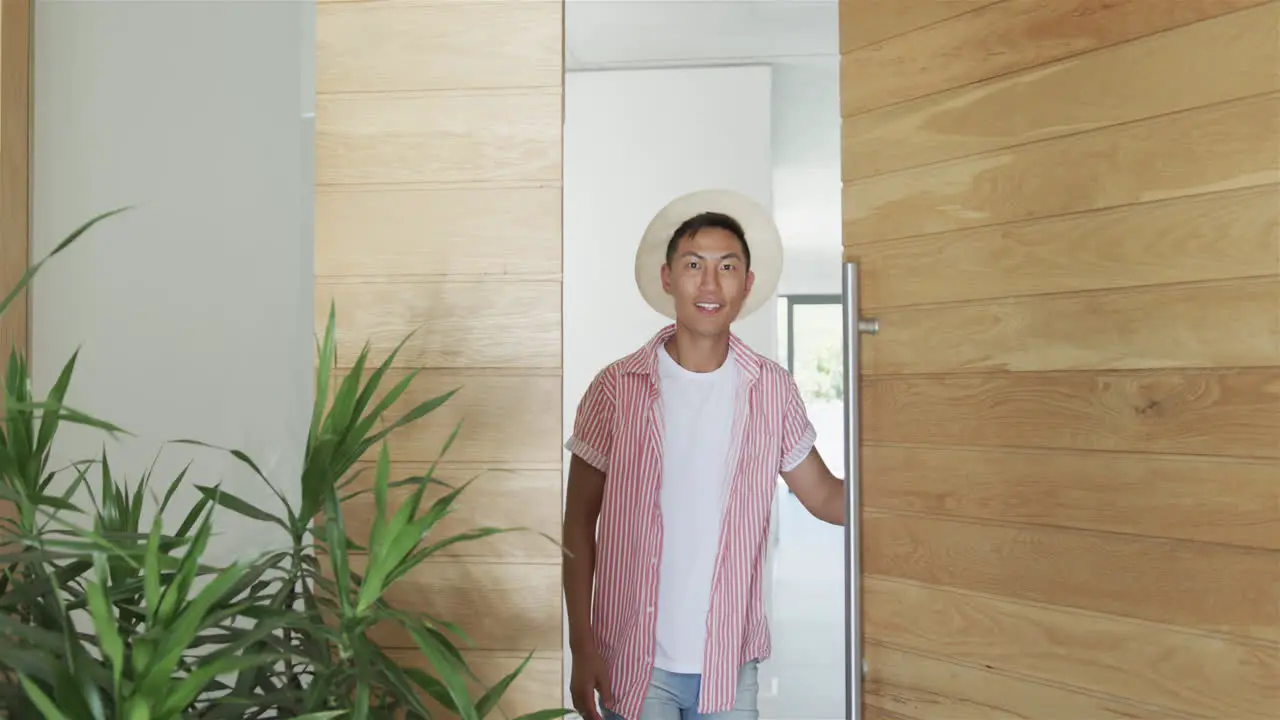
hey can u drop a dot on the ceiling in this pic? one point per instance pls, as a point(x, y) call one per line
point(608, 34)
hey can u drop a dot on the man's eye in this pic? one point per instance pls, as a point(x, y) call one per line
point(693, 265)
point(727, 266)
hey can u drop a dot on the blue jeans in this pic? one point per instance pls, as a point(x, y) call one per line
point(674, 696)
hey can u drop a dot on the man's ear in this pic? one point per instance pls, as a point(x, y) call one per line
point(666, 278)
point(751, 280)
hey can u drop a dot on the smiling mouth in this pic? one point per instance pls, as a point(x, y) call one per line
point(708, 308)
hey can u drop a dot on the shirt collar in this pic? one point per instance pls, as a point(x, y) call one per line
point(645, 360)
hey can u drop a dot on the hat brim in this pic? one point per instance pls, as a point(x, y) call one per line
point(763, 239)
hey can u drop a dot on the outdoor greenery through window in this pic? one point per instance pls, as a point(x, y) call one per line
point(811, 328)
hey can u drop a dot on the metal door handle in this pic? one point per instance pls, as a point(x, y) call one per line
point(855, 326)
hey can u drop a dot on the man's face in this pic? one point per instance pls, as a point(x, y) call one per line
point(708, 280)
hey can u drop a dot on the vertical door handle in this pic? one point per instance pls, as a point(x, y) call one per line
point(854, 327)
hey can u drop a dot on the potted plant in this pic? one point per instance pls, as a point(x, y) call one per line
point(109, 613)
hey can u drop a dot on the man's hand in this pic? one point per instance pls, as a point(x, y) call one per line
point(819, 491)
point(590, 676)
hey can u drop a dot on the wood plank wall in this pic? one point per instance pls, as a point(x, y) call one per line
point(438, 140)
point(15, 186)
point(1068, 215)
point(15, 193)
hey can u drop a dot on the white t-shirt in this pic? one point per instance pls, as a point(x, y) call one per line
point(698, 412)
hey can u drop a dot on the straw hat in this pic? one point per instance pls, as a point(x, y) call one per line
point(763, 239)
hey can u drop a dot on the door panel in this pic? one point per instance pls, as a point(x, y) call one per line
point(999, 38)
point(1067, 216)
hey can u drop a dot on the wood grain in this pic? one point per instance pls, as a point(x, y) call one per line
point(1226, 324)
point(460, 232)
point(1210, 237)
point(405, 45)
point(1228, 501)
point(15, 190)
point(439, 138)
point(1220, 413)
point(864, 22)
point(1068, 221)
point(537, 687)
point(1236, 146)
point(871, 712)
point(1202, 586)
point(499, 605)
point(458, 324)
point(15, 193)
point(438, 172)
point(503, 498)
point(507, 420)
point(918, 686)
point(1156, 75)
point(1005, 37)
point(1190, 673)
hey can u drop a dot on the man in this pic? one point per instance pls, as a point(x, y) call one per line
point(676, 450)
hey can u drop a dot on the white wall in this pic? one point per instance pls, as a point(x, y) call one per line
point(806, 179)
point(193, 311)
point(635, 139)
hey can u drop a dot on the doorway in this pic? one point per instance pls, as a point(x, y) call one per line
point(805, 677)
point(756, 85)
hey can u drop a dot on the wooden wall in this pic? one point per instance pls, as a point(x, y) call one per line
point(1068, 215)
point(15, 114)
point(438, 142)
point(15, 192)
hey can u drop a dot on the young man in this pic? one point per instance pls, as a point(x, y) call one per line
point(676, 450)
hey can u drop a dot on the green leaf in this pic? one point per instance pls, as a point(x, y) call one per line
point(324, 366)
point(448, 667)
point(49, 423)
point(418, 412)
point(67, 413)
point(104, 622)
point(248, 462)
point(66, 243)
point(546, 714)
point(336, 545)
point(489, 700)
point(137, 709)
point(151, 571)
point(55, 502)
point(179, 634)
point(41, 701)
point(185, 692)
point(236, 504)
point(380, 478)
point(389, 542)
point(433, 687)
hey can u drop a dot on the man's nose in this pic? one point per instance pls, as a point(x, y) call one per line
point(710, 279)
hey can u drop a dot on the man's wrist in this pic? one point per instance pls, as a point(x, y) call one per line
point(581, 642)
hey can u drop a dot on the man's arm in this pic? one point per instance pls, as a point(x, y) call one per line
point(581, 511)
point(820, 492)
point(591, 445)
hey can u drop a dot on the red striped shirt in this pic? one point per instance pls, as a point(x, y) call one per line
point(619, 430)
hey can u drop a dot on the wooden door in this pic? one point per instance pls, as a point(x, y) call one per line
point(1068, 217)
